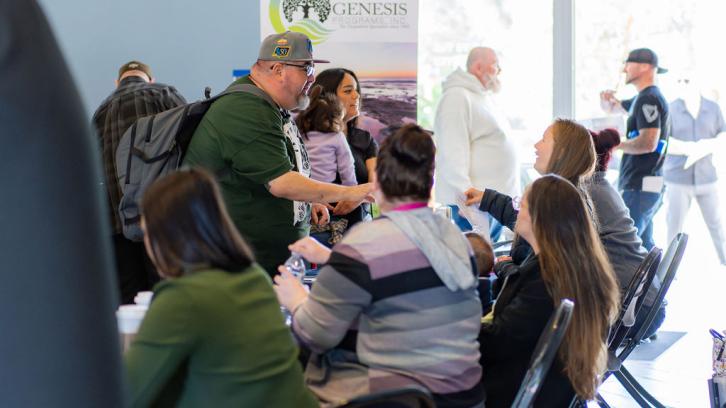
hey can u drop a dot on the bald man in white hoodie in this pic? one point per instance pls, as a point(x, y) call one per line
point(473, 145)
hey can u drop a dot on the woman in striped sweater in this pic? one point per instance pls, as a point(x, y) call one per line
point(395, 303)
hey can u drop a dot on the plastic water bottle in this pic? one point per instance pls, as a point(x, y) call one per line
point(296, 265)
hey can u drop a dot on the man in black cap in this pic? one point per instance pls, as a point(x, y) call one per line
point(250, 142)
point(136, 95)
point(648, 129)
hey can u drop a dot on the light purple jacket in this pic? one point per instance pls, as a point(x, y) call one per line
point(330, 155)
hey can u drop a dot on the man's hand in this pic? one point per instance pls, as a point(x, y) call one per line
point(319, 214)
point(473, 196)
point(345, 207)
point(360, 193)
point(609, 103)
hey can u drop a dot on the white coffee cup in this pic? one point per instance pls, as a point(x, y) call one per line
point(143, 298)
point(129, 318)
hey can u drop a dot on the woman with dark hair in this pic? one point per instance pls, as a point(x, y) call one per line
point(344, 83)
point(617, 230)
point(568, 262)
point(395, 303)
point(213, 334)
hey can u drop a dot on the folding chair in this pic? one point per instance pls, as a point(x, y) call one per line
point(544, 353)
point(637, 289)
point(667, 268)
point(409, 397)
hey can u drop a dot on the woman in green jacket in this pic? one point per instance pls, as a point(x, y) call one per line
point(214, 334)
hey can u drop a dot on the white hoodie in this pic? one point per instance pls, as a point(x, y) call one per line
point(473, 148)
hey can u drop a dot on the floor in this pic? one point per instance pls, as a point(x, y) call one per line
point(695, 303)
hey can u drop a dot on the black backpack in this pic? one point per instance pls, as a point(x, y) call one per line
point(155, 146)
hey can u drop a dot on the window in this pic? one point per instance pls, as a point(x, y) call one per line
point(521, 32)
point(686, 35)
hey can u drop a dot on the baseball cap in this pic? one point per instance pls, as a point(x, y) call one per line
point(288, 46)
point(134, 66)
point(646, 56)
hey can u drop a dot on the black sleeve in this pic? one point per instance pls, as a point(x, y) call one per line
point(626, 103)
point(500, 207)
point(648, 112)
point(372, 150)
point(518, 324)
point(521, 249)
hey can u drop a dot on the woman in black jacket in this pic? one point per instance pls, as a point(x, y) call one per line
point(567, 261)
point(345, 85)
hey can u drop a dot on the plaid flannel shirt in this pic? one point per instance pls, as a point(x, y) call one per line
point(133, 99)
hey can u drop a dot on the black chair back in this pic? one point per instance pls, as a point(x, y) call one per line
point(667, 268)
point(408, 397)
point(544, 353)
point(637, 289)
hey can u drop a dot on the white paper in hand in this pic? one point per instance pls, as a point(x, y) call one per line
point(479, 220)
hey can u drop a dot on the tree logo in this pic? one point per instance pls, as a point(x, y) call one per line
point(298, 15)
point(321, 7)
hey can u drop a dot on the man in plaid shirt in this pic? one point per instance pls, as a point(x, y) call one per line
point(136, 96)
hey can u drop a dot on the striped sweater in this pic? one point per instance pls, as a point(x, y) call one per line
point(379, 317)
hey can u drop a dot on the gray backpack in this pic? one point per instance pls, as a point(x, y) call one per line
point(154, 146)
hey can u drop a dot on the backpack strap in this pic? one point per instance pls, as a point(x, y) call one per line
point(250, 89)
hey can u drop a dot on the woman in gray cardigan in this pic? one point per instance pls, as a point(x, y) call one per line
point(615, 227)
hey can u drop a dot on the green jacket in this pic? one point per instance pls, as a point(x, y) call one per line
point(215, 339)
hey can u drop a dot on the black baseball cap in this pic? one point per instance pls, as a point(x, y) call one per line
point(645, 56)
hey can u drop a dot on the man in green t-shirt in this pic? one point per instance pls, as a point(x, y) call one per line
point(257, 153)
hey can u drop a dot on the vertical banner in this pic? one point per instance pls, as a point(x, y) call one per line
point(376, 40)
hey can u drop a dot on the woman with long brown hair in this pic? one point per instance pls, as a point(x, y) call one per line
point(568, 261)
point(565, 149)
point(213, 334)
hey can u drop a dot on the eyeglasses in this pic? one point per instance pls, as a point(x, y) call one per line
point(308, 68)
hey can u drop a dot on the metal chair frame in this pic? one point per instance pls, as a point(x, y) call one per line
point(667, 268)
point(544, 353)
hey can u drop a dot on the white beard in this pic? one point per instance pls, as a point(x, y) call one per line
point(494, 85)
point(303, 101)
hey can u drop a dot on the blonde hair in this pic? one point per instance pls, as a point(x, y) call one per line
point(575, 266)
point(573, 155)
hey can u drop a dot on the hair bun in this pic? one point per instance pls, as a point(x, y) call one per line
point(414, 150)
point(609, 137)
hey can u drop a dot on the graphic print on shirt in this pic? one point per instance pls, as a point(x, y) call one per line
point(650, 112)
point(302, 163)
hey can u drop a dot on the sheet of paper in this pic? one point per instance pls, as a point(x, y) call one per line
point(479, 220)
